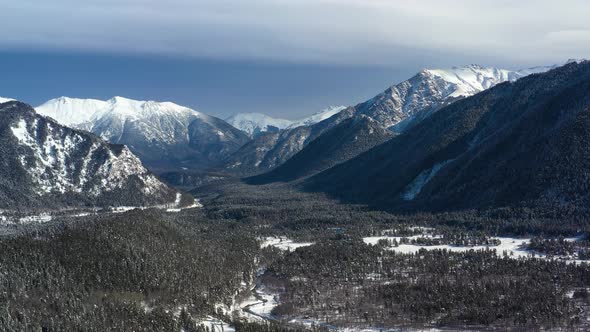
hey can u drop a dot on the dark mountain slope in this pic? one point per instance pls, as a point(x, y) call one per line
point(270, 150)
point(522, 142)
point(343, 142)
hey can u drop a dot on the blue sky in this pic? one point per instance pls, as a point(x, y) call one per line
point(216, 87)
point(283, 57)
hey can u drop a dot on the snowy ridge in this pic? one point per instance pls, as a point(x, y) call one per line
point(160, 133)
point(472, 79)
point(318, 117)
point(431, 89)
point(256, 123)
point(72, 111)
point(5, 100)
point(108, 118)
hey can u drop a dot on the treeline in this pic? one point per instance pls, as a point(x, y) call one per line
point(578, 248)
point(278, 208)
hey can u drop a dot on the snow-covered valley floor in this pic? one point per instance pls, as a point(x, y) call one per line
point(11, 218)
point(512, 247)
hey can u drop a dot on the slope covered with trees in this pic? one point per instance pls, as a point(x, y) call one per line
point(517, 143)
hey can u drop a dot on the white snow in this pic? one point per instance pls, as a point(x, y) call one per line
point(72, 111)
point(55, 150)
point(283, 243)
point(259, 307)
point(430, 89)
point(215, 325)
point(150, 121)
point(513, 247)
point(5, 100)
point(36, 219)
point(318, 117)
point(469, 80)
point(253, 123)
point(415, 187)
point(76, 111)
point(177, 208)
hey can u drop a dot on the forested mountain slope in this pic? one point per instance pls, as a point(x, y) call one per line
point(517, 143)
point(47, 165)
point(398, 108)
point(345, 141)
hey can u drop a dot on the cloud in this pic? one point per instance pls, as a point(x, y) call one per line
point(362, 32)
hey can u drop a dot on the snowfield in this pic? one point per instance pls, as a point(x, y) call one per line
point(215, 325)
point(513, 247)
point(8, 219)
point(283, 243)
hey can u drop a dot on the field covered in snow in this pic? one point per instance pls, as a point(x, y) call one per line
point(510, 246)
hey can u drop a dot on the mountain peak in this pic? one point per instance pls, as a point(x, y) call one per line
point(5, 100)
point(149, 128)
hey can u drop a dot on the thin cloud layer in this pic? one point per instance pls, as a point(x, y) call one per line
point(318, 31)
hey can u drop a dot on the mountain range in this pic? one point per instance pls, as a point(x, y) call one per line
point(397, 108)
point(45, 165)
point(179, 142)
point(344, 141)
point(166, 136)
point(523, 142)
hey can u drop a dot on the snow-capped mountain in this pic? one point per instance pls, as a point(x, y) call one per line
point(431, 89)
point(519, 144)
point(45, 163)
point(4, 100)
point(398, 108)
point(317, 117)
point(346, 140)
point(163, 134)
point(73, 112)
point(257, 123)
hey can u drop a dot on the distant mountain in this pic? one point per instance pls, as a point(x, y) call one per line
point(4, 100)
point(317, 117)
point(397, 108)
point(270, 150)
point(45, 164)
point(525, 142)
point(418, 97)
point(164, 135)
point(344, 141)
point(256, 124)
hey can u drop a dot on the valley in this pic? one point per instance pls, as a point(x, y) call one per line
point(270, 258)
point(456, 200)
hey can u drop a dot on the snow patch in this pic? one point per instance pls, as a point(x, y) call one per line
point(415, 187)
point(215, 325)
point(513, 247)
point(283, 243)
